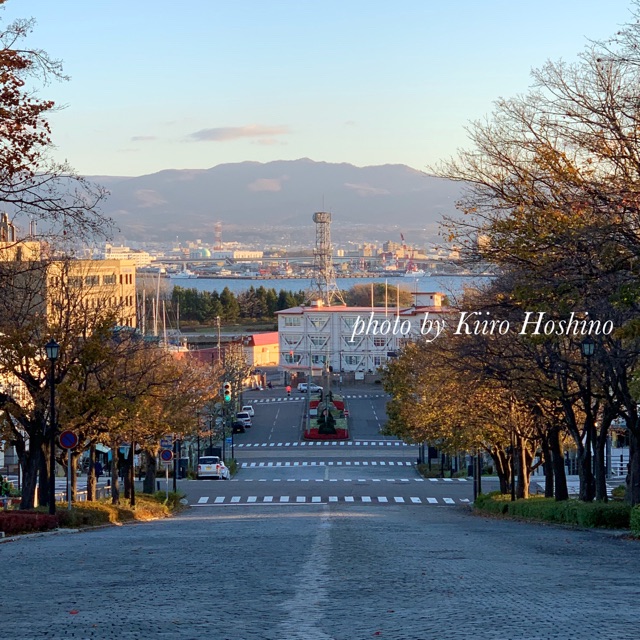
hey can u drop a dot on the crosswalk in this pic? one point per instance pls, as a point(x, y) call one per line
point(302, 397)
point(340, 479)
point(206, 501)
point(330, 463)
point(327, 443)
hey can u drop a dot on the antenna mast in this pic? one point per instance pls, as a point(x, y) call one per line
point(323, 284)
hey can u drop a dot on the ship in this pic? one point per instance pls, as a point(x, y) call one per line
point(185, 273)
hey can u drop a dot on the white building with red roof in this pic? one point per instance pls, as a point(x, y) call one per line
point(353, 339)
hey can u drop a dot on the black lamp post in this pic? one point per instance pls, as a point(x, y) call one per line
point(587, 347)
point(53, 349)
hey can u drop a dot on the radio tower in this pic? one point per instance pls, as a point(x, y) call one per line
point(217, 228)
point(323, 284)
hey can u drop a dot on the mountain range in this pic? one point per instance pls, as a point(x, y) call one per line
point(253, 196)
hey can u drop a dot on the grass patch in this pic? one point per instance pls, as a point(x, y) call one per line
point(101, 512)
point(584, 514)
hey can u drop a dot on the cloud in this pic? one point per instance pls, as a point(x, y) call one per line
point(222, 134)
point(143, 138)
point(367, 190)
point(267, 184)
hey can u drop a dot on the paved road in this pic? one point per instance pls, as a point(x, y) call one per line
point(322, 572)
point(277, 467)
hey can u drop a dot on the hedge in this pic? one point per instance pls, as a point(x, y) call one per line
point(585, 514)
point(635, 521)
point(13, 522)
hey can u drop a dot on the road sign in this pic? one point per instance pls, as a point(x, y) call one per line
point(68, 440)
point(228, 440)
point(166, 442)
point(166, 455)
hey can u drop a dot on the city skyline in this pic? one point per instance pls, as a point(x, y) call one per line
point(158, 87)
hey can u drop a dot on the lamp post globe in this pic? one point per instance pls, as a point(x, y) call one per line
point(587, 346)
point(53, 350)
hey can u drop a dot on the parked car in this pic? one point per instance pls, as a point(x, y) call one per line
point(303, 387)
point(212, 467)
point(249, 409)
point(238, 427)
point(244, 417)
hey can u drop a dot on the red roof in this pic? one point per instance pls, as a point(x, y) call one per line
point(261, 339)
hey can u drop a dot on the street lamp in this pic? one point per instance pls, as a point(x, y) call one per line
point(53, 349)
point(587, 347)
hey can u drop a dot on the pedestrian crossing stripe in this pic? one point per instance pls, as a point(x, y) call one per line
point(204, 501)
point(303, 397)
point(325, 443)
point(330, 463)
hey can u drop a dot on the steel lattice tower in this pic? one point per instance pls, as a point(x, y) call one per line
point(323, 284)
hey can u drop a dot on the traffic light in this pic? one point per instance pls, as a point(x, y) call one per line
point(226, 391)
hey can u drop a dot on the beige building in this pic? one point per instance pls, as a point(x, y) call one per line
point(109, 285)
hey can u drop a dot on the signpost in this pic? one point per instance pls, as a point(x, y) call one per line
point(166, 455)
point(68, 441)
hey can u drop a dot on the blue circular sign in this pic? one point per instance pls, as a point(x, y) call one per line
point(68, 440)
point(166, 455)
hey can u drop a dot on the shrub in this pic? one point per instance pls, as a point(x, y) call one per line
point(594, 514)
point(13, 522)
point(635, 521)
point(87, 514)
point(618, 493)
point(173, 503)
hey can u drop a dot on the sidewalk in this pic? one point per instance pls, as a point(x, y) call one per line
point(537, 484)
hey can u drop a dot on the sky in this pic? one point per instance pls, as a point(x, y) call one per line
point(158, 84)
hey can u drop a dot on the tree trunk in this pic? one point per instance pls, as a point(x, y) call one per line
point(31, 468)
point(91, 474)
point(547, 467)
point(557, 460)
point(524, 458)
point(501, 462)
point(585, 473)
point(633, 474)
point(149, 484)
point(115, 480)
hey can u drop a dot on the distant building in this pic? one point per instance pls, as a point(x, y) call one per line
point(138, 257)
point(262, 349)
point(355, 340)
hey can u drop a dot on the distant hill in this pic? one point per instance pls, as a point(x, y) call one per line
point(245, 195)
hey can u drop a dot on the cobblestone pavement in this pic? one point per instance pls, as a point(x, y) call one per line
point(322, 572)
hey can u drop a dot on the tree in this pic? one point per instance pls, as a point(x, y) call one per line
point(32, 185)
point(552, 190)
point(360, 295)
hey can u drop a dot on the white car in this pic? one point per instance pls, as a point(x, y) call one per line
point(248, 409)
point(303, 387)
point(212, 467)
point(244, 418)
